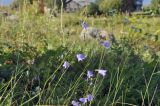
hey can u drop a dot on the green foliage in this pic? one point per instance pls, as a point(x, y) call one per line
point(108, 6)
point(92, 9)
point(155, 6)
point(155, 3)
point(127, 75)
point(50, 3)
point(20, 3)
point(32, 53)
point(58, 3)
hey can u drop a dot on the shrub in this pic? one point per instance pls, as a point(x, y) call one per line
point(156, 6)
point(108, 6)
point(93, 9)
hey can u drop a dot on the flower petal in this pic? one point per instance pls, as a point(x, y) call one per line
point(66, 64)
point(83, 100)
point(81, 57)
point(106, 44)
point(90, 97)
point(102, 72)
point(74, 103)
point(89, 74)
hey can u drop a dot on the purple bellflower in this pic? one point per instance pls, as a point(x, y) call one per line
point(74, 103)
point(81, 57)
point(89, 74)
point(102, 72)
point(90, 97)
point(84, 25)
point(66, 64)
point(83, 100)
point(106, 44)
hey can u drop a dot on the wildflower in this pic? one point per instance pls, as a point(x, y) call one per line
point(37, 78)
point(66, 64)
point(81, 57)
point(106, 44)
point(103, 34)
point(84, 25)
point(89, 74)
point(83, 100)
point(102, 72)
point(74, 103)
point(90, 97)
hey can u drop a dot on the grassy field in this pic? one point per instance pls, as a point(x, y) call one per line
point(34, 48)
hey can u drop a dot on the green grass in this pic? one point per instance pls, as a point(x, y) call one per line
point(132, 61)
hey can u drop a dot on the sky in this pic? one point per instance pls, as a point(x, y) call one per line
point(146, 2)
point(7, 2)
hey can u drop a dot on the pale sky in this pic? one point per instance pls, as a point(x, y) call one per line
point(146, 2)
point(7, 2)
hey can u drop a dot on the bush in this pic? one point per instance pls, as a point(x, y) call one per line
point(93, 9)
point(156, 6)
point(110, 6)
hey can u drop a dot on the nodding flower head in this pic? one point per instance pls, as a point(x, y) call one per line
point(83, 100)
point(89, 74)
point(74, 103)
point(90, 97)
point(81, 57)
point(66, 64)
point(102, 72)
point(105, 44)
point(84, 25)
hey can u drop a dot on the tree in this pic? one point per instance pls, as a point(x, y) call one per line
point(58, 3)
point(92, 9)
point(128, 5)
point(108, 5)
point(155, 5)
point(20, 3)
point(117, 5)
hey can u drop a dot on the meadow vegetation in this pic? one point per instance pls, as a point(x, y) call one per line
point(34, 48)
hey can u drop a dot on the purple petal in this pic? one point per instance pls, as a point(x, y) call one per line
point(90, 97)
point(66, 64)
point(84, 25)
point(106, 44)
point(81, 57)
point(102, 72)
point(89, 74)
point(83, 100)
point(74, 103)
